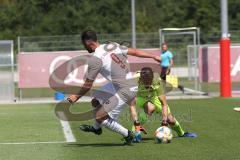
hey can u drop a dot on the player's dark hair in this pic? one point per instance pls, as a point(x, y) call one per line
point(146, 72)
point(89, 35)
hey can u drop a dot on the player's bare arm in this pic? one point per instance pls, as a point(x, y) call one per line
point(163, 100)
point(143, 54)
point(171, 62)
point(134, 116)
point(133, 111)
point(82, 91)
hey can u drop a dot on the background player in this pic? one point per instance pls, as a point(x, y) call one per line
point(110, 60)
point(167, 63)
point(151, 98)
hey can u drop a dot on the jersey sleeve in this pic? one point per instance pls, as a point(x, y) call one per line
point(170, 55)
point(94, 67)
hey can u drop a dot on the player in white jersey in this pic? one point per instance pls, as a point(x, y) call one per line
point(110, 60)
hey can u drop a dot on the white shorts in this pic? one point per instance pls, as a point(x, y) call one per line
point(111, 101)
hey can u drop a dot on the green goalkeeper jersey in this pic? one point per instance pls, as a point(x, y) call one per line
point(154, 90)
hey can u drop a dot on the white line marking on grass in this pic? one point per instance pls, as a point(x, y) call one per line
point(67, 131)
point(9, 143)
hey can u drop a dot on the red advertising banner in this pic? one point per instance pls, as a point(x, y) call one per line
point(36, 68)
point(209, 63)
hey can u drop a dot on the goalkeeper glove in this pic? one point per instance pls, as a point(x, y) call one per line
point(139, 128)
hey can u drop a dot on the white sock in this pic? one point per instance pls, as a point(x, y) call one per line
point(96, 125)
point(116, 127)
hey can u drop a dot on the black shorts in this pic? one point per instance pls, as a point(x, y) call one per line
point(164, 72)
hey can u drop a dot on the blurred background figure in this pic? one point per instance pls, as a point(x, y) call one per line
point(167, 63)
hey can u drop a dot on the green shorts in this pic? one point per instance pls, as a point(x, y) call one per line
point(154, 100)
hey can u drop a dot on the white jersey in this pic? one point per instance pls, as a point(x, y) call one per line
point(110, 60)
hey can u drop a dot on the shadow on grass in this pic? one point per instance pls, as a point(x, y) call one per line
point(153, 138)
point(144, 140)
point(94, 145)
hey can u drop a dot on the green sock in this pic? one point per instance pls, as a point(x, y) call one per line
point(142, 117)
point(177, 127)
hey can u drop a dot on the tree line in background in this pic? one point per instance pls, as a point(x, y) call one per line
point(63, 17)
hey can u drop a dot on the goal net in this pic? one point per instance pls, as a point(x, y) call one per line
point(185, 58)
point(6, 71)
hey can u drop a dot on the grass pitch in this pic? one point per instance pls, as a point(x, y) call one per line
point(214, 120)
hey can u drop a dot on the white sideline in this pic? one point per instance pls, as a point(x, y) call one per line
point(67, 131)
point(67, 134)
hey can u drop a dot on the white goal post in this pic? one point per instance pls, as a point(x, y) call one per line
point(175, 31)
point(182, 38)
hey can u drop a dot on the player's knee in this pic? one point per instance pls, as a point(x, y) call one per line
point(95, 103)
point(171, 119)
point(149, 108)
point(148, 112)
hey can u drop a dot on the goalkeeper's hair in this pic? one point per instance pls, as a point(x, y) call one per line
point(89, 35)
point(146, 72)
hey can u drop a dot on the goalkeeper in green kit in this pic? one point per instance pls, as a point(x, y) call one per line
point(151, 98)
